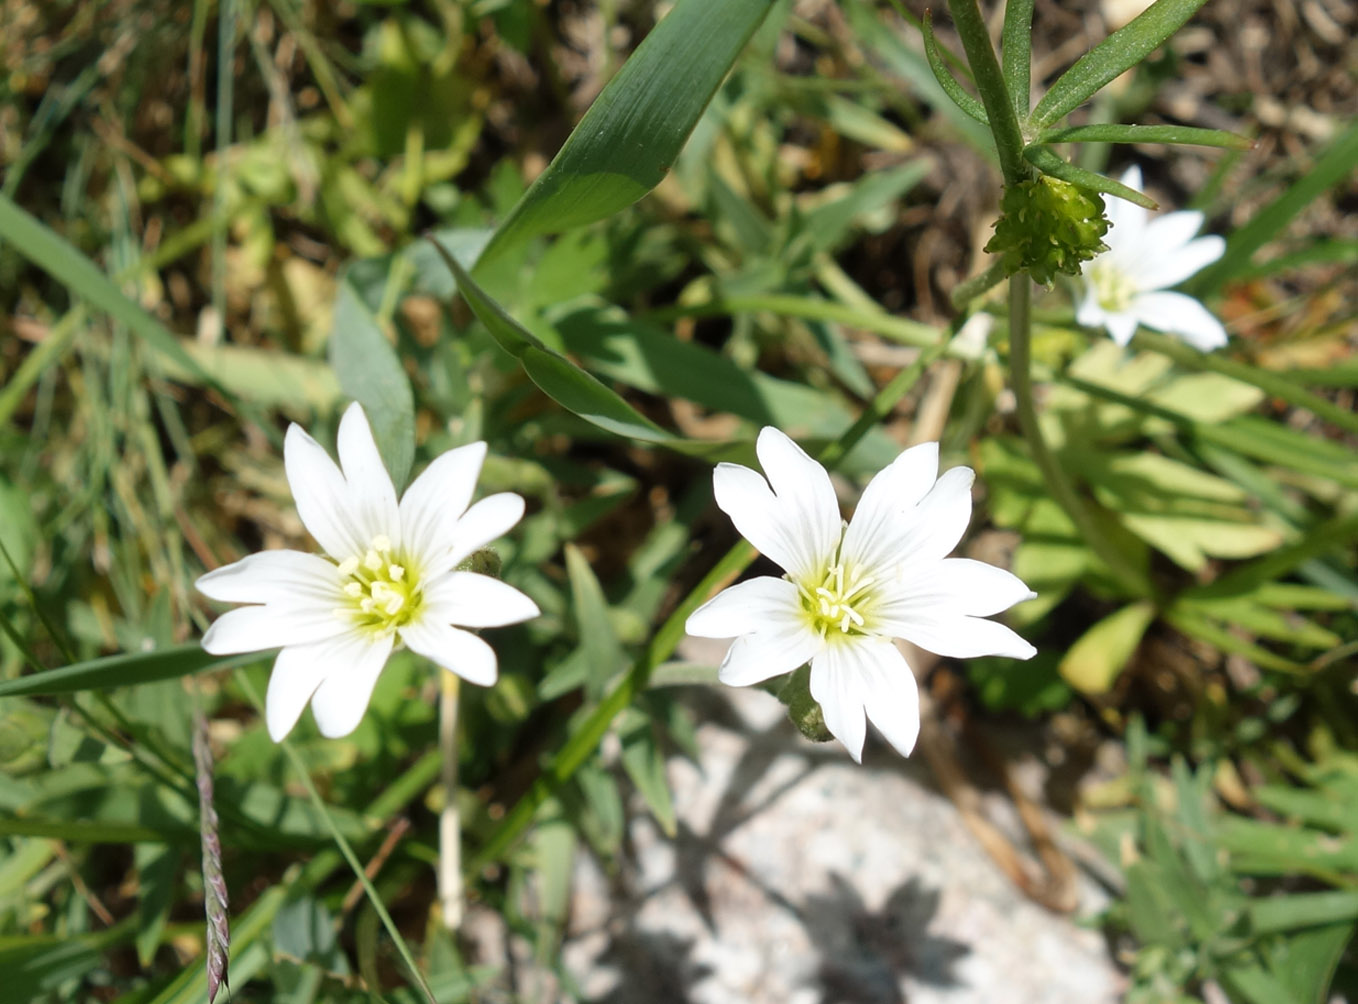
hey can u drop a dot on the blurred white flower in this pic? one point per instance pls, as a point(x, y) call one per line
point(388, 577)
point(1126, 285)
point(851, 588)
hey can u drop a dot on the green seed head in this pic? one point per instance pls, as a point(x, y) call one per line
point(1048, 226)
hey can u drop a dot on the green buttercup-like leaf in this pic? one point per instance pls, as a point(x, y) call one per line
point(967, 102)
point(1046, 161)
point(1181, 135)
point(1112, 57)
point(629, 138)
point(370, 372)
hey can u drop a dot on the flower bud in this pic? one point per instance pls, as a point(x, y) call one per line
point(802, 708)
point(1048, 226)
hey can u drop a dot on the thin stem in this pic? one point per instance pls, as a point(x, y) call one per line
point(999, 107)
point(450, 823)
point(1020, 370)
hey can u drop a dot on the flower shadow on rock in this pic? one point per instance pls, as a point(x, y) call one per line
point(865, 954)
point(654, 967)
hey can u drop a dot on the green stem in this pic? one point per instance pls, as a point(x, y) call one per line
point(999, 107)
point(582, 743)
point(1020, 370)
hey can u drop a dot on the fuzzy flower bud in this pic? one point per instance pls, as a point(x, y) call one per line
point(1048, 226)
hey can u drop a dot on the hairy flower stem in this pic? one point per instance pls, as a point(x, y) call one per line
point(450, 825)
point(1020, 370)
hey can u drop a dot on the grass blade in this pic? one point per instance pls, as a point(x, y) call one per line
point(626, 142)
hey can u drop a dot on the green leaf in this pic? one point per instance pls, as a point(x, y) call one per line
point(966, 102)
point(157, 869)
point(370, 372)
point(1303, 909)
point(1112, 57)
point(1046, 161)
point(120, 671)
point(565, 383)
point(1112, 133)
point(1094, 662)
point(629, 138)
point(645, 765)
point(1016, 54)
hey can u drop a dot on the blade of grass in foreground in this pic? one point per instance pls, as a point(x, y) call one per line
point(634, 130)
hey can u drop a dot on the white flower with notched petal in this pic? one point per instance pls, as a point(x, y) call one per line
point(1127, 284)
point(851, 588)
point(388, 577)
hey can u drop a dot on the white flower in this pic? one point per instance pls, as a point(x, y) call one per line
point(851, 588)
point(388, 577)
point(1125, 286)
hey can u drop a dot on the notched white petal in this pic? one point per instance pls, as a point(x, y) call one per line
point(259, 628)
point(321, 495)
point(486, 521)
point(273, 577)
point(297, 672)
point(754, 658)
point(744, 608)
point(372, 497)
point(459, 652)
point(883, 515)
point(836, 676)
point(342, 698)
point(476, 601)
point(437, 499)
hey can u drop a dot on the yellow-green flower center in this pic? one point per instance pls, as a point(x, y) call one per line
point(840, 603)
point(1113, 288)
point(383, 593)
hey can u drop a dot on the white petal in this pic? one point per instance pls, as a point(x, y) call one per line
point(886, 503)
point(436, 500)
point(1175, 264)
point(950, 588)
point(274, 577)
point(802, 485)
point(962, 637)
point(893, 697)
point(745, 608)
point(1090, 314)
point(475, 601)
point(256, 628)
point(322, 495)
point(929, 531)
point(760, 656)
point(837, 686)
point(460, 652)
point(297, 672)
point(1127, 219)
point(796, 522)
point(487, 520)
point(343, 696)
point(1121, 325)
point(372, 497)
point(1180, 315)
